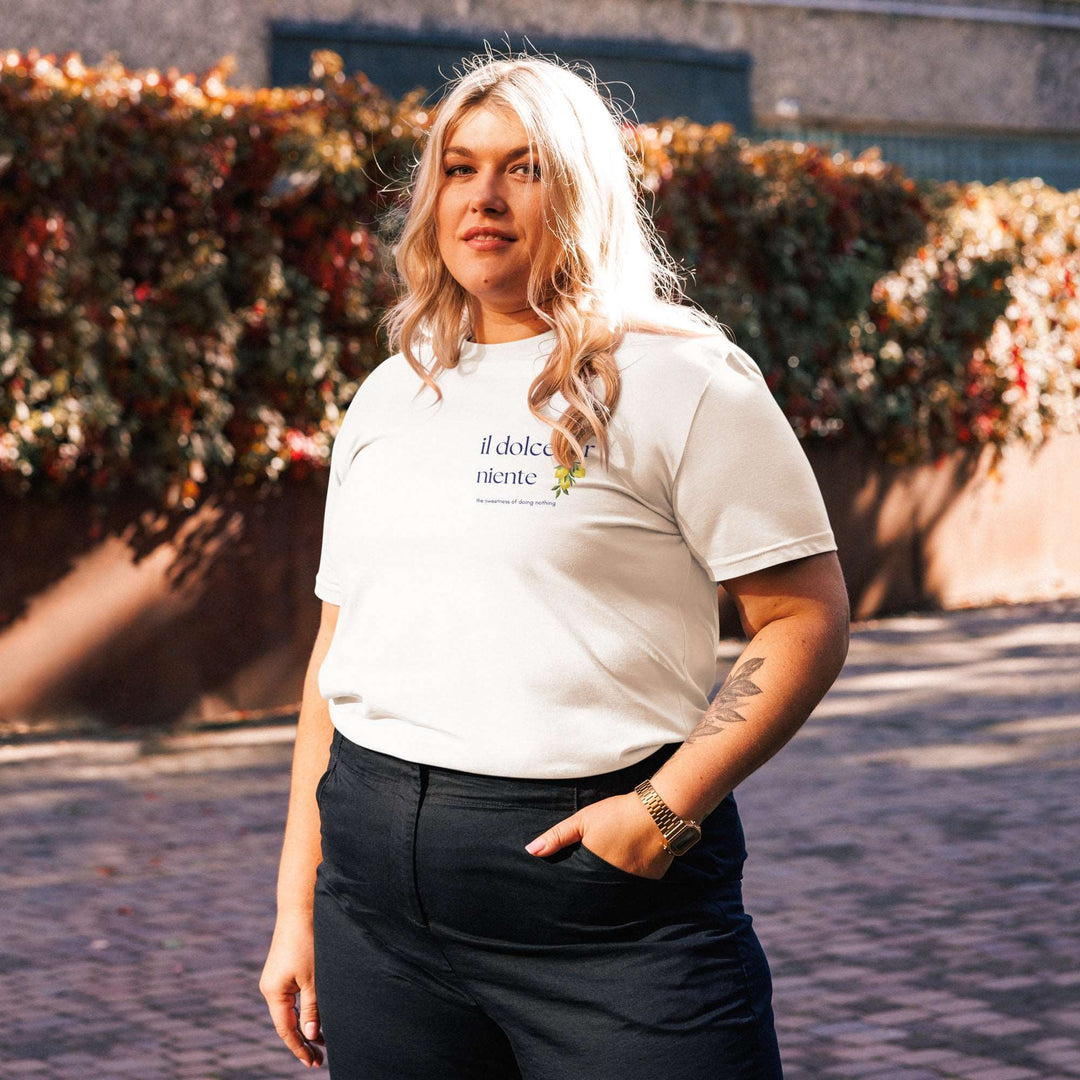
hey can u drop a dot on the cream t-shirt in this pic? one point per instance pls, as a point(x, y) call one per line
point(490, 625)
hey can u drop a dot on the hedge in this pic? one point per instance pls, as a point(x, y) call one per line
point(191, 276)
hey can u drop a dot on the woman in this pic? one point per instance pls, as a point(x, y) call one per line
point(506, 758)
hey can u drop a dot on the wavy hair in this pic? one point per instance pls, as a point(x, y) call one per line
point(600, 271)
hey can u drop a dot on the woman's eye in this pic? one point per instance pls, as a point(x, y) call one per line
point(531, 171)
point(456, 170)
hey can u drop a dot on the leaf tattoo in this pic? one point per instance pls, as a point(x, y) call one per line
point(724, 708)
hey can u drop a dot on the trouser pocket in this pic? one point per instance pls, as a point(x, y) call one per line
point(335, 746)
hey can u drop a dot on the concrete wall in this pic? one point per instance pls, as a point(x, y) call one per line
point(162, 621)
point(968, 531)
point(845, 69)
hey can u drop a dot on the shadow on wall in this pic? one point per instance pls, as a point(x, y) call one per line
point(174, 618)
point(967, 531)
point(167, 616)
point(881, 517)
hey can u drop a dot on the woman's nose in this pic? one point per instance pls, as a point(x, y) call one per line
point(486, 196)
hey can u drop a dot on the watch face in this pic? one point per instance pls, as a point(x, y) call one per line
point(683, 839)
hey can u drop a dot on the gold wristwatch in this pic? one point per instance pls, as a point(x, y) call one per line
point(679, 835)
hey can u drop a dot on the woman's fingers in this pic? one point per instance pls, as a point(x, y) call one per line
point(309, 1015)
point(558, 836)
point(281, 1003)
point(618, 829)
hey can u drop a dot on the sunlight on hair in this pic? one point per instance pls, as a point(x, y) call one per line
point(601, 271)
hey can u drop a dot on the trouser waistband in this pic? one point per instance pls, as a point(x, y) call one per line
point(530, 791)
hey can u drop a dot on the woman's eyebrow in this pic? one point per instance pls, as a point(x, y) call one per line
point(464, 151)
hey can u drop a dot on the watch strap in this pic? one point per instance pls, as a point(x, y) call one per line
point(666, 819)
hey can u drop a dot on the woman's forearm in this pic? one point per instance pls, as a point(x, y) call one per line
point(288, 976)
point(773, 687)
point(301, 851)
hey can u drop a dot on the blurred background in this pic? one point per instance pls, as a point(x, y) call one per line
point(879, 198)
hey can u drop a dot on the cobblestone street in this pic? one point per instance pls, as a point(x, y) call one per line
point(913, 875)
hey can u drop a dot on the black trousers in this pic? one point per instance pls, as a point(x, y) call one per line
point(445, 951)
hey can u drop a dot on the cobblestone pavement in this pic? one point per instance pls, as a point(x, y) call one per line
point(913, 875)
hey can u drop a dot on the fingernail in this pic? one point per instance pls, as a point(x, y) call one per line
point(535, 846)
point(311, 1029)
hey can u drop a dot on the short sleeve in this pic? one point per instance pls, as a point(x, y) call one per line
point(328, 577)
point(744, 495)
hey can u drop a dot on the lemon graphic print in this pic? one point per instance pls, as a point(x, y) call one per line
point(567, 478)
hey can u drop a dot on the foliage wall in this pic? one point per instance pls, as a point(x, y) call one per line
point(191, 275)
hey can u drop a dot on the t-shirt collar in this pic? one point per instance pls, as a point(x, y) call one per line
point(524, 349)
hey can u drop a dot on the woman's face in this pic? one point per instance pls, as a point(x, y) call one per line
point(489, 215)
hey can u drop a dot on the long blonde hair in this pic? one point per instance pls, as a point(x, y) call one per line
point(602, 270)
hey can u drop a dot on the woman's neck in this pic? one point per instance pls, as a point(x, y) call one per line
point(495, 327)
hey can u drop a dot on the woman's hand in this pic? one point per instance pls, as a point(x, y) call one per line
point(618, 829)
point(290, 971)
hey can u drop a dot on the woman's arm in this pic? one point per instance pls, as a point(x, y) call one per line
point(290, 964)
point(796, 615)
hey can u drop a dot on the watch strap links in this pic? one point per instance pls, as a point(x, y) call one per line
point(666, 819)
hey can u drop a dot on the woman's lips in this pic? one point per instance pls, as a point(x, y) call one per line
point(488, 242)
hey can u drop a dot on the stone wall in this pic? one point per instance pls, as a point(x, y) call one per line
point(846, 69)
point(163, 621)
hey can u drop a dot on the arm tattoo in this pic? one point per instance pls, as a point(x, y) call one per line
point(724, 707)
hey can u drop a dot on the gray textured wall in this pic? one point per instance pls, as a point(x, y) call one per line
point(845, 69)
